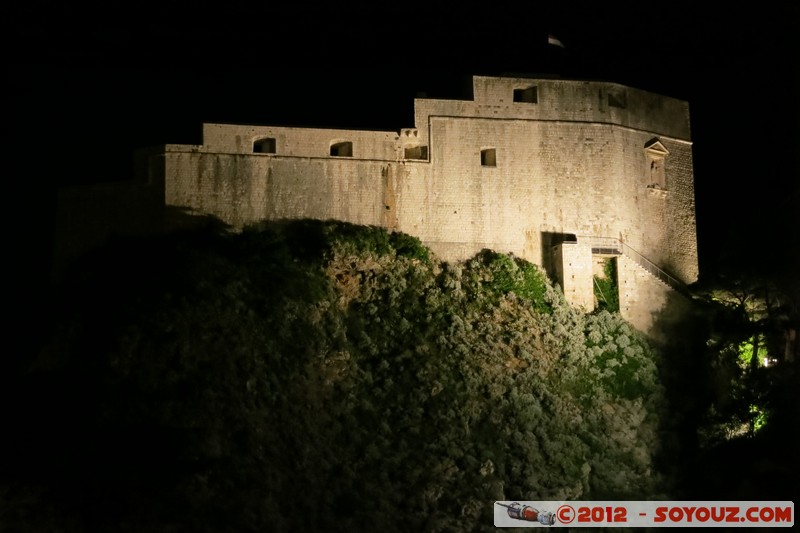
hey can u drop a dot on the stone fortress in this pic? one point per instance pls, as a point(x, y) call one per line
point(563, 173)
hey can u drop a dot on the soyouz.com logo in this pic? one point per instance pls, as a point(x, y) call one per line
point(644, 514)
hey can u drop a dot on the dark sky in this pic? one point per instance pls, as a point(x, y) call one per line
point(90, 83)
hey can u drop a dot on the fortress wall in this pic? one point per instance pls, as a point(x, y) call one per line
point(230, 187)
point(558, 177)
point(300, 142)
point(660, 224)
point(584, 186)
point(573, 271)
point(552, 177)
point(455, 200)
point(346, 190)
point(587, 175)
point(241, 189)
point(641, 296)
point(648, 210)
point(645, 302)
point(575, 162)
point(681, 259)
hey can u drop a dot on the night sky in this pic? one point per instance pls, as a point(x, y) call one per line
point(90, 84)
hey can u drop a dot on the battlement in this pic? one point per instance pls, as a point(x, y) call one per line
point(299, 142)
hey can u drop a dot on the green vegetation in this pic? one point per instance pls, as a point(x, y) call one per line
point(493, 276)
point(331, 377)
point(606, 287)
point(732, 388)
point(745, 344)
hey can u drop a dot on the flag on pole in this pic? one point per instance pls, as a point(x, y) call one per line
point(554, 41)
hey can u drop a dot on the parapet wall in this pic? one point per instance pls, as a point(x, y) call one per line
point(299, 142)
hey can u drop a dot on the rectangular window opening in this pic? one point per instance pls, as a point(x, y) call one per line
point(489, 157)
point(264, 146)
point(529, 95)
point(416, 152)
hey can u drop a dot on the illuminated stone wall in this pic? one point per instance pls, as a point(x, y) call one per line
point(573, 271)
point(523, 159)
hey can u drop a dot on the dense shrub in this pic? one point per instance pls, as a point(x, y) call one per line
point(493, 275)
point(331, 377)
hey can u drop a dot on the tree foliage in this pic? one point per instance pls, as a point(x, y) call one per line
point(739, 403)
point(749, 318)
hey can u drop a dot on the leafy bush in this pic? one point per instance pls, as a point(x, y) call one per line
point(606, 287)
point(345, 383)
point(494, 275)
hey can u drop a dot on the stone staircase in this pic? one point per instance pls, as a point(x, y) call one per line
point(614, 246)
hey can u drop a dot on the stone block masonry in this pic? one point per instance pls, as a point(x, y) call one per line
point(523, 161)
